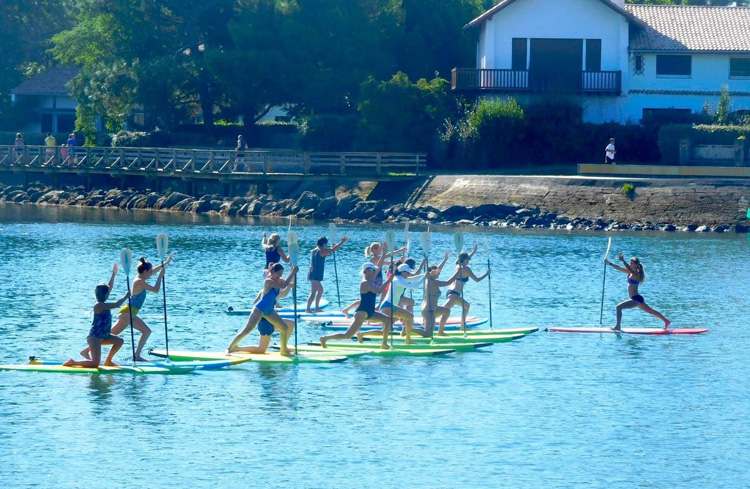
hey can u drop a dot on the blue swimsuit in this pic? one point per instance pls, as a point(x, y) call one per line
point(268, 301)
point(636, 297)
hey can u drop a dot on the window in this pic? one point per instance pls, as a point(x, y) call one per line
point(674, 65)
point(739, 67)
point(519, 54)
point(593, 55)
point(638, 65)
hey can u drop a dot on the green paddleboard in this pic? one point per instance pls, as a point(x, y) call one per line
point(475, 332)
point(101, 370)
point(344, 345)
point(235, 358)
point(442, 341)
point(395, 352)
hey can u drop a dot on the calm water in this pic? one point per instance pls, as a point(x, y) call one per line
point(551, 410)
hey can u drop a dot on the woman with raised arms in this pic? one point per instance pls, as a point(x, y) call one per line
point(317, 269)
point(368, 293)
point(264, 309)
point(636, 275)
point(430, 309)
point(137, 298)
point(455, 292)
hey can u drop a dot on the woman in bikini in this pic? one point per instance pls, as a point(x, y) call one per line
point(137, 298)
point(636, 276)
point(430, 309)
point(368, 293)
point(455, 293)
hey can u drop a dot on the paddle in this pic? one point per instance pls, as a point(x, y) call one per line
point(425, 239)
point(162, 245)
point(458, 241)
point(292, 243)
point(332, 237)
point(604, 279)
point(390, 239)
point(489, 279)
point(126, 263)
point(407, 239)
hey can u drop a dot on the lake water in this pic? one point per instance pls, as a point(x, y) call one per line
point(551, 410)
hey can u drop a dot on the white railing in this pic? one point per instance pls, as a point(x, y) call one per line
point(91, 159)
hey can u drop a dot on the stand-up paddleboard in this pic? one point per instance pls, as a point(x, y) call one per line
point(284, 312)
point(443, 341)
point(426, 352)
point(399, 345)
point(480, 332)
point(344, 325)
point(315, 350)
point(647, 331)
point(196, 364)
point(238, 357)
point(341, 320)
point(124, 369)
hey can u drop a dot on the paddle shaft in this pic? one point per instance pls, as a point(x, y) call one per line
point(164, 297)
point(391, 290)
point(489, 286)
point(294, 299)
point(336, 274)
point(604, 280)
point(130, 312)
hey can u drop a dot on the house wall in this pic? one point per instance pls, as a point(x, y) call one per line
point(569, 19)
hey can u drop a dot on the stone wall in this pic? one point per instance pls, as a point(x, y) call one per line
point(678, 202)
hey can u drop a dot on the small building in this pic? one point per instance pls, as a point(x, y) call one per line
point(48, 96)
point(620, 62)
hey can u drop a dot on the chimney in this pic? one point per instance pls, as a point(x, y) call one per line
point(619, 3)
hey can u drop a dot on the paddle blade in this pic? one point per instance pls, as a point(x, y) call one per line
point(332, 233)
point(162, 246)
point(291, 238)
point(486, 246)
point(390, 239)
point(458, 240)
point(294, 253)
point(425, 240)
point(609, 245)
point(126, 260)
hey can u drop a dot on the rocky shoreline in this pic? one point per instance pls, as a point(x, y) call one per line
point(343, 208)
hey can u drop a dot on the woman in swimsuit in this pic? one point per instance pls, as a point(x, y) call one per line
point(101, 327)
point(137, 298)
point(368, 293)
point(264, 309)
point(636, 276)
point(378, 252)
point(317, 269)
point(401, 281)
point(430, 309)
point(455, 293)
point(274, 253)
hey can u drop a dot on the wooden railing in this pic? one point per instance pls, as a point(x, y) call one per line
point(208, 161)
point(603, 82)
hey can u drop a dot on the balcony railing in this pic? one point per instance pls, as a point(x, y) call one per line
point(589, 82)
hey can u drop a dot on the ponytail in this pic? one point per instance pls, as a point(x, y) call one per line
point(144, 266)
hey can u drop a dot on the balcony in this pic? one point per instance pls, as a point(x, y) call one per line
point(526, 81)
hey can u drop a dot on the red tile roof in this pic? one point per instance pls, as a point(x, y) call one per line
point(50, 82)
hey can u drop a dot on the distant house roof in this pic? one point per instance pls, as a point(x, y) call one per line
point(689, 28)
point(53, 81)
point(497, 8)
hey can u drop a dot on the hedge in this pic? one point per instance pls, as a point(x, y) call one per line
point(671, 135)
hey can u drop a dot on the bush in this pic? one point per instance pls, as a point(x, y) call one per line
point(155, 139)
point(329, 132)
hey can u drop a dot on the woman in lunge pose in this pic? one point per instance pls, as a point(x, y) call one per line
point(636, 276)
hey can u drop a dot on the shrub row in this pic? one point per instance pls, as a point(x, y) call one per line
point(671, 135)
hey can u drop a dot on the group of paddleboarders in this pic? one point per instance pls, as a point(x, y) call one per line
point(381, 300)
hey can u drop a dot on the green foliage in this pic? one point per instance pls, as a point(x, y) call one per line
point(399, 115)
point(328, 132)
point(135, 139)
point(628, 189)
point(721, 114)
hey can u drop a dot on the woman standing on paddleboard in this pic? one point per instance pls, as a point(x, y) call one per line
point(455, 293)
point(430, 308)
point(317, 269)
point(368, 293)
point(636, 276)
point(137, 298)
point(264, 309)
point(274, 253)
point(377, 253)
point(101, 327)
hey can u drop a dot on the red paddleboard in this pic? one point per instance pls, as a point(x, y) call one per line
point(651, 331)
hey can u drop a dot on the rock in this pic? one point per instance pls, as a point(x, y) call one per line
point(184, 205)
point(742, 228)
point(200, 207)
point(170, 200)
point(494, 211)
point(285, 207)
point(669, 228)
point(325, 208)
point(363, 210)
point(308, 200)
point(254, 208)
point(702, 229)
point(456, 213)
point(346, 204)
point(433, 216)
point(268, 208)
point(523, 212)
point(148, 201)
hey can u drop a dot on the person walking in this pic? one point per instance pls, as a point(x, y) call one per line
point(51, 143)
point(609, 153)
point(19, 144)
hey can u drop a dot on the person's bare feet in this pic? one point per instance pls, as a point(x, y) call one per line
point(317, 310)
point(69, 363)
point(322, 342)
point(308, 311)
point(616, 328)
point(141, 359)
point(359, 337)
point(666, 324)
point(85, 354)
point(110, 364)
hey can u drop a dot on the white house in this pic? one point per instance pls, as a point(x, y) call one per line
point(620, 61)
